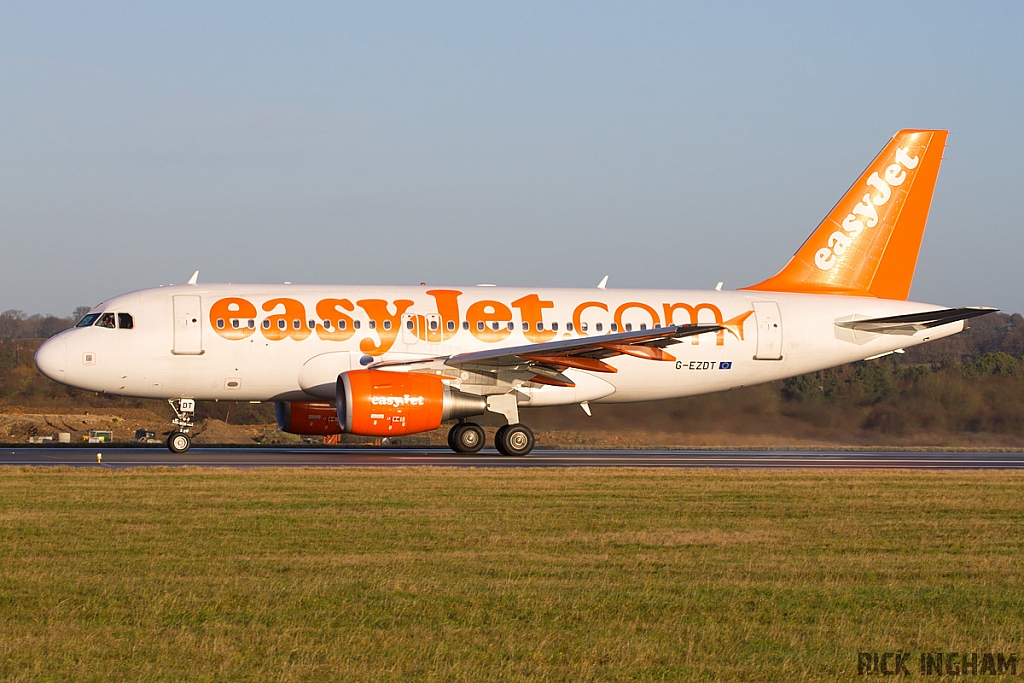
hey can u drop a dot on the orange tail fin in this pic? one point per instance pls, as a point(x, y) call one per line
point(868, 243)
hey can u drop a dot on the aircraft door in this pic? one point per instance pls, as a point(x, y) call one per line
point(409, 329)
point(769, 330)
point(188, 329)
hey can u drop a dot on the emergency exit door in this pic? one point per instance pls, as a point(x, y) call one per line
point(188, 329)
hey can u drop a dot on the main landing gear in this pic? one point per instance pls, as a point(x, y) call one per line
point(513, 439)
point(184, 410)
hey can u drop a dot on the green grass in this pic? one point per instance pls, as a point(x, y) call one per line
point(462, 575)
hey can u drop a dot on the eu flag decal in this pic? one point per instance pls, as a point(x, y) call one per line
point(725, 365)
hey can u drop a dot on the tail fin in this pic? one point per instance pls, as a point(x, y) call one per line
point(868, 243)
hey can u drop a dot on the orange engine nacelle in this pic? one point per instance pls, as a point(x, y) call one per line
point(318, 419)
point(382, 403)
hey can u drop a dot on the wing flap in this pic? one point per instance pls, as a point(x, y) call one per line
point(566, 352)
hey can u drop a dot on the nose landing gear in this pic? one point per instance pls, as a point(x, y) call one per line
point(184, 410)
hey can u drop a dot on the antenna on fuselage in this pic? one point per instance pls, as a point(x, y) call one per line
point(603, 284)
point(194, 279)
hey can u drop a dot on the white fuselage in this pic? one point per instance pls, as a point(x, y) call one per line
point(290, 342)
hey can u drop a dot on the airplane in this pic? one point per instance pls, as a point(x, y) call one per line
point(397, 360)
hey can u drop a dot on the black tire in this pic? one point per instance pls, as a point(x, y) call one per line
point(467, 438)
point(179, 442)
point(451, 435)
point(514, 440)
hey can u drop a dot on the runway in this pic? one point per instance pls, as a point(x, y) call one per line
point(114, 457)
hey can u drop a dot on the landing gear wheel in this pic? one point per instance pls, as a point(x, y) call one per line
point(466, 437)
point(178, 442)
point(516, 440)
point(499, 435)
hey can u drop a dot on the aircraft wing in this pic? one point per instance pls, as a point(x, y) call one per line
point(544, 362)
point(915, 322)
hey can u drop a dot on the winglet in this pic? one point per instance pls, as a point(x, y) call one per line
point(868, 244)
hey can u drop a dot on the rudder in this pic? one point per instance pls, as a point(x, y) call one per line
point(868, 244)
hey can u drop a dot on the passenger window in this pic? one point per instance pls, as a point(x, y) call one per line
point(409, 324)
point(495, 325)
point(281, 324)
point(511, 326)
point(342, 324)
point(465, 324)
point(629, 327)
point(125, 321)
point(266, 324)
point(356, 324)
point(451, 325)
point(106, 320)
point(220, 323)
point(615, 327)
point(568, 326)
point(387, 324)
point(234, 323)
point(643, 326)
point(433, 324)
point(88, 320)
point(600, 326)
point(312, 324)
point(526, 326)
point(540, 327)
point(583, 327)
point(252, 324)
point(480, 325)
point(327, 324)
point(554, 327)
point(373, 324)
point(297, 324)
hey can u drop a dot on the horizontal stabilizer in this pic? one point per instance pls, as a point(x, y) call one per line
point(915, 322)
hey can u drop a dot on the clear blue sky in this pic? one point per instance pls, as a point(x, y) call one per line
point(665, 144)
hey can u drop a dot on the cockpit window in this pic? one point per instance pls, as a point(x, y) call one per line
point(125, 321)
point(106, 320)
point(88, 320)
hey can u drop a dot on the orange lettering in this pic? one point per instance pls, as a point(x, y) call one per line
point(387, 325)
point(483, 314)
point(224, 311)
point(578, 314)
point(448, 308)
point(290, 324)
point(341, 324)
point(694, 312)
point(531, 308)
point(655, 320)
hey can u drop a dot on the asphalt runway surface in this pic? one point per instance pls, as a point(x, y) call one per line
point(114, 457)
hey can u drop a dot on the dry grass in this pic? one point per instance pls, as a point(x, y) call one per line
point(460, 575)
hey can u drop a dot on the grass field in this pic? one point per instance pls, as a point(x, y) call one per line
point(515, 575)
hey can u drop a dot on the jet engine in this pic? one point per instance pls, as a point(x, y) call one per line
point(318, 419)
point(382, 403)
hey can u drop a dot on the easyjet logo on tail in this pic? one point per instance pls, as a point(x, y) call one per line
point(865, 213)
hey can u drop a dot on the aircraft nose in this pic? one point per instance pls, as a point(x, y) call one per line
point(52, 358)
